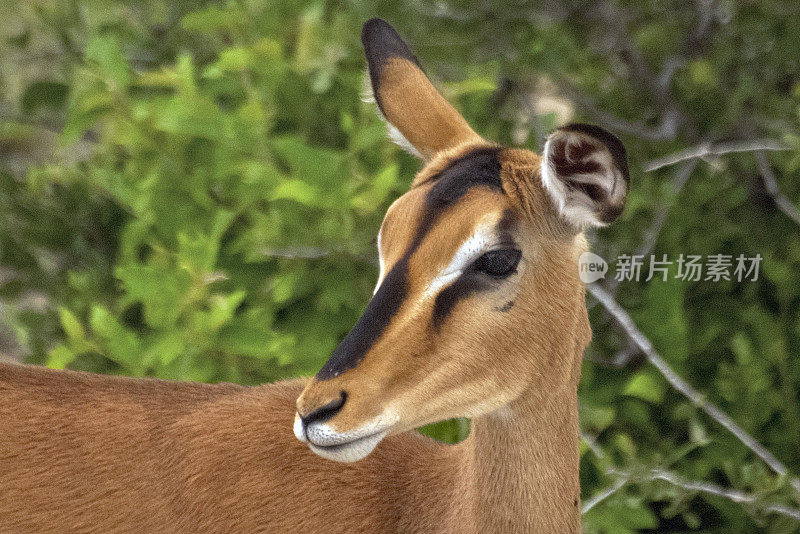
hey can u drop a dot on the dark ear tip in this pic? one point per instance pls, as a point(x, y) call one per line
point(377, 31)
point(371, 27)
point(381, 42)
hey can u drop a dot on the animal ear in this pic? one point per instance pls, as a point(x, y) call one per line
point(420, 119)
point(585, 172)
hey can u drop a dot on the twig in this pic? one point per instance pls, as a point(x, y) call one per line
point(666, 129)
point(622, 317)
point(314, 253)
point(591, 442)
point(771, 183)
point(292, 253)
point(604, 494)
point(734, 495)
point(713, 149)
point(651, 235)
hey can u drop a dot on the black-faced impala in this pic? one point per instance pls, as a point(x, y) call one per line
point(478, 312)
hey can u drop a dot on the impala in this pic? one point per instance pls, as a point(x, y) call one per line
point(478, 312)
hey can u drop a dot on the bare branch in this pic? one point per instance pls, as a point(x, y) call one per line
point(666, 129)
point(704, 150)
point(696, 398)
point(771, 183)
point(314, 253)
point(294, 253)
point(591, 442)
point(659, 218)
point(740, 497)
point(604, 494)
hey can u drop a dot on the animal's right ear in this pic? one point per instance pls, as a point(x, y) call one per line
point(420, 119)
point(585, 172)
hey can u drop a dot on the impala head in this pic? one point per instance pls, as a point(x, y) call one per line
point(478, 299)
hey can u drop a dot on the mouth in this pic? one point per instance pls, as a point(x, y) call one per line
point(349, 451)
point(343, 446)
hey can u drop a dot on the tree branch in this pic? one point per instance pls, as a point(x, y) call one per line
point(591, 442)
point(696, 398)
point(771, 183)
point(740, 497)
point(666, 129)
point(682, 175)
point(604, 494)
point(713, 149)
point(314, 253)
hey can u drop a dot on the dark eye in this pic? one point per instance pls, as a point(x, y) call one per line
point(498, 263)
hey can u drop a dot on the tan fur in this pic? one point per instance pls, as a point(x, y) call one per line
point(90, 453)
point(87, 453)
point(413, 106)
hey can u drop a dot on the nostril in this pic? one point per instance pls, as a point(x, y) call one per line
point(323, 413)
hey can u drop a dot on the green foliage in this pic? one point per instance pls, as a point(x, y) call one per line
point(192, 190)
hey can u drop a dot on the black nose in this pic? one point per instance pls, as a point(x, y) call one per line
point(323, 413)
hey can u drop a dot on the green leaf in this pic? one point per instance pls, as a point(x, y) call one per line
point(72, 327)
point(44, 94)
point(296, 190)
point(646, 387)
point(60, 357)
point(470, 86)
point(161, 292)
point(596, 418)
point(122, 344)
point(166, 348)
point(106, 52)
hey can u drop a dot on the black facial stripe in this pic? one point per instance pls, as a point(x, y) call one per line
point(478, 168)
point(464, 286)
point(380, 310)
point(381, 43)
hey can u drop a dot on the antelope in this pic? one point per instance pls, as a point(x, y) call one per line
point(478, 312)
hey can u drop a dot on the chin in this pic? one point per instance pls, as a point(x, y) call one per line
point(352, 451)
point(346, 447)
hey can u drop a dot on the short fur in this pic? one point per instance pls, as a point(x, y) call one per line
point(88, 453)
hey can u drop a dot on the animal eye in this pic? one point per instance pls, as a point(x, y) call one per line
point(498, 263)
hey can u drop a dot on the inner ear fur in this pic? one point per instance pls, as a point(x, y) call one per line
point(585, 172)
point(423, 121)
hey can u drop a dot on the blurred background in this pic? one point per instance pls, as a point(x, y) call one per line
point(192, 190)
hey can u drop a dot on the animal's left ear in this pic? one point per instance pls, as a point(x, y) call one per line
point(420, 119)
point(585, 172)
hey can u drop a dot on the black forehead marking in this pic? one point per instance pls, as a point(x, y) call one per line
point(481, 167)
point(478, 168)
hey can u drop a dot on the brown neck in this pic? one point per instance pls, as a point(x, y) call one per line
point(526, 465)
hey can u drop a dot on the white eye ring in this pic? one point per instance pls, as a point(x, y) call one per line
point(481, 241)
